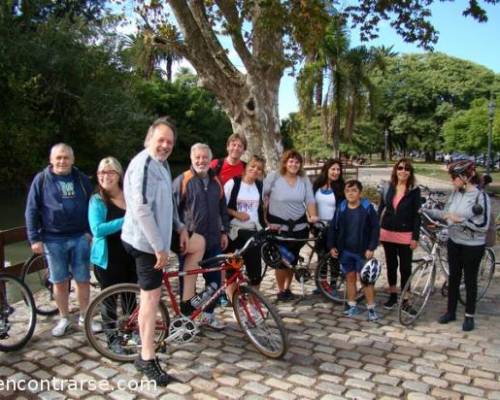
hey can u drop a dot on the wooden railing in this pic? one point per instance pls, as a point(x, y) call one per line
point(11, 236)
point(349, 170)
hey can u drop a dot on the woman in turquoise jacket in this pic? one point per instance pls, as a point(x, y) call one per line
point(112, 264)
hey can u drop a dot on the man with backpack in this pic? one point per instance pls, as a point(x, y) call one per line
point(231, 166)
point(202, 208)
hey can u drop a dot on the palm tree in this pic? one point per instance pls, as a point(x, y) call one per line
point(345, 73)
point(149, 53)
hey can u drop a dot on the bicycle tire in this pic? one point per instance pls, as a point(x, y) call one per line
point(125, 296)
point(330, 281)
point(16, 323)
point(416, 292)
point(261, 324)
point(35, 274)
point(484, 276)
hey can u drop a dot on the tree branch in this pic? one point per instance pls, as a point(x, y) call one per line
point(230, 13)
point(203, 49)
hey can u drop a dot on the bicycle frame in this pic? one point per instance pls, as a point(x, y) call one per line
point(234, 265)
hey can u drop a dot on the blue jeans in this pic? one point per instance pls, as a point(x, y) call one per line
point(68, 254)
point(214, 276)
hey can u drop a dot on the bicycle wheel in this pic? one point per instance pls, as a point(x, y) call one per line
point(17, 313)
point(260, 321)
point(484, 276)
point(116, 309)
point(416, 293)
point(330, 280)
point(35, 275)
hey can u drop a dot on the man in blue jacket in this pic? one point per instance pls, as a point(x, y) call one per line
point(57, 225)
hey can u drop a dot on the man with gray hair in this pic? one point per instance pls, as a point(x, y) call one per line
point(57, 226)
point(147, 233)
point(202, 208)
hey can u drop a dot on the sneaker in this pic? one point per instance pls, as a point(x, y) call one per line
point(468, 324)
point(96, 325)
point(281, 296)
point(114, 344)
point(61, 327)
point(208, 319)
point(407, 308)
point(447, 317)
point(135, 339)
point(372, 314)
point(153, 371)
point(289, 296)
point(352, 311)
point(393, 300)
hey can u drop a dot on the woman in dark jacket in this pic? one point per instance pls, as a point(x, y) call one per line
point(400, 226)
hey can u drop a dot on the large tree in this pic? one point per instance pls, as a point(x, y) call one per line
point(266, 36)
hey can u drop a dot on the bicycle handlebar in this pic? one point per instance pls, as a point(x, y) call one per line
point(259, 237)
point(433, 221)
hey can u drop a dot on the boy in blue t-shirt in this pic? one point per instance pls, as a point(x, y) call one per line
point(353, 237)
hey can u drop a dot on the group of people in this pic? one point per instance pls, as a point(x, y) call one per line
point(128, 225)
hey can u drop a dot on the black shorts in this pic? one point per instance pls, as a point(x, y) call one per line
point(148, 278)
point(175, 244)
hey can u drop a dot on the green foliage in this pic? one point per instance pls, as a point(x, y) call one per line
point(468, 130)
point(62, 79)
point(420, 92)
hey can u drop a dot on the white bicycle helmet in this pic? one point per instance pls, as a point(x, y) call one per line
point(370, 271)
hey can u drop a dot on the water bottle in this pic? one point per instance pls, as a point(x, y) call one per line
point(287, 256)
point(200, 299)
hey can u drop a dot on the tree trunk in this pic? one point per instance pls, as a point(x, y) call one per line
point(253, 112)
point(169, 61)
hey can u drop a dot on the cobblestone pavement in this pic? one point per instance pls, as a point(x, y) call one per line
point(330, 357)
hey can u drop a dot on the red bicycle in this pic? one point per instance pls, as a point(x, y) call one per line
point(117, 308)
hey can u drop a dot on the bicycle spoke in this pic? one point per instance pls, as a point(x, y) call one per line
point(260, 322)
point(17, 313)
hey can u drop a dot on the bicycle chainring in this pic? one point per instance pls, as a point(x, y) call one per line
point(182, 330)
point(302, 274)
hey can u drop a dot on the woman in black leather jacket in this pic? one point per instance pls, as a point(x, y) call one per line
point(400, 226)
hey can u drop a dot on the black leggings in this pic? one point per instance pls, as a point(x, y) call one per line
point(252, 256)
point(392, 252)
point(467, 259)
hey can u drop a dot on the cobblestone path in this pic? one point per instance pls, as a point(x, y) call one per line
point(330, 357)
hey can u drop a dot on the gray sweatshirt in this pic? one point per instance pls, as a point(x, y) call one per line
point(151, 211)
point(472, 230)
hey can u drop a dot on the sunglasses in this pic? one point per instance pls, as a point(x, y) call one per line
point(404, 168)
point(102, 173)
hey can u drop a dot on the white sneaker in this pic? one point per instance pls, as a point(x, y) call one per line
point(96, 326)
point(209, 320)
point(61, 327)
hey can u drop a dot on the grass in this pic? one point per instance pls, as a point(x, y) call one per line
point(439, 171)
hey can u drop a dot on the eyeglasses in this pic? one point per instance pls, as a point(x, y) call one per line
point(404, 168)
point(111, 173)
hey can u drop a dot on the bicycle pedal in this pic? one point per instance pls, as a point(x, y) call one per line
point(162, 348)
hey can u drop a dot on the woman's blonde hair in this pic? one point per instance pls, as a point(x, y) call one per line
point(112, 163)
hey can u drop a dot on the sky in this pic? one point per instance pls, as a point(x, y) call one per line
point(459, 36)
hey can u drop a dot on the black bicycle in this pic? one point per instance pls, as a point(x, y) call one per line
point(17, 313)
point(313, 259)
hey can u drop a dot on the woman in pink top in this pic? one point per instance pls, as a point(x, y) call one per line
point(400, 226)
